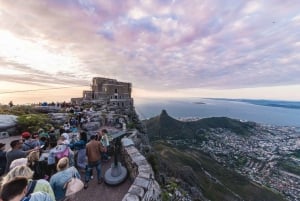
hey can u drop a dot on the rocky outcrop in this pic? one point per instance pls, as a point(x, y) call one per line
point(8, 123)
point(59, 118)
point(91, 127)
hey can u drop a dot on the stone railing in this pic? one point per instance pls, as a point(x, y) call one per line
point(144, 186)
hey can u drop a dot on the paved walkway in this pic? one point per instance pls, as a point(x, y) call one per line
point(103, 192)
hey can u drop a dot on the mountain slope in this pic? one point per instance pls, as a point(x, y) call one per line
point(166, 127)
point(196, 169)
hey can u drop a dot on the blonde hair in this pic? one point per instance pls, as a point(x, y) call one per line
point(62, 164)
point(33, 157)
point(18, 171)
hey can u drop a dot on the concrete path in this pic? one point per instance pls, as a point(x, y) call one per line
point(103, 192)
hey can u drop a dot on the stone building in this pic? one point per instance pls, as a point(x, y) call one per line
point(109, 91)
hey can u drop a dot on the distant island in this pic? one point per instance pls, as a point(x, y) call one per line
point(201, 103)
point(268, 103)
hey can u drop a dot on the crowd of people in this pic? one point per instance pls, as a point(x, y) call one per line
point(39, 166)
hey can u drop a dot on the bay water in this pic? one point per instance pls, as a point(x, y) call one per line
point(202, 108)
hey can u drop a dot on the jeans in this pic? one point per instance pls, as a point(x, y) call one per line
point(81, 161)
point(89, 169)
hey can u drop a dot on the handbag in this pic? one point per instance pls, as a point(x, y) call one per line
point(73, 186)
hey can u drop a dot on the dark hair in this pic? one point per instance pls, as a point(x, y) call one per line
point(53, 144)
point(83, 136)
point(104, 130)
point(14, 143)
point(2, 145)
point(13, 188)
point(93, 137)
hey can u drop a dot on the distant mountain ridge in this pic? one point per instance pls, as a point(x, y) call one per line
point(164, 127)
point(262, 102)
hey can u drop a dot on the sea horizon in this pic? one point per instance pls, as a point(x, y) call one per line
point(221, 107)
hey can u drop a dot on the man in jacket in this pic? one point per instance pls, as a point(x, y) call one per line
point(93, 153)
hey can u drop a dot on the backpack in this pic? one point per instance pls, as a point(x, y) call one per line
point(39, 169)
point(64, 153)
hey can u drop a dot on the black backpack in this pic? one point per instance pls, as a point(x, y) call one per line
point(39, 169)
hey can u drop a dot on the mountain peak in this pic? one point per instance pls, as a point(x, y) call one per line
point(164, 112)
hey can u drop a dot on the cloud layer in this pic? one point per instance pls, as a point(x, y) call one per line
point(155, 44)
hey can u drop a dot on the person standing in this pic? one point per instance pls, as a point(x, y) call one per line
point(93, 153)
point(59, 180)
point(15, 153)
point(79, 146)
point(105, 142)
point(2, 158)
point(34, 186)
point(17, 189)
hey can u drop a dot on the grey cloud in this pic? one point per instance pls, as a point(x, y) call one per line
point(212, 44)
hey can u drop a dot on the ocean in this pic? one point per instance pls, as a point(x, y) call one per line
point(202, 108)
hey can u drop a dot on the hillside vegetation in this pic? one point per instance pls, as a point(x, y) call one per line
point(197, 169)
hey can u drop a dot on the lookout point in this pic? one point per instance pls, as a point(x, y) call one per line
point(126, 173)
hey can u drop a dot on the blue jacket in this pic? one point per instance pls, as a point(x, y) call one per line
point(78, 145)
point(59, 180)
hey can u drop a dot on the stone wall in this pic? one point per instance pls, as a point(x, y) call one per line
point(144, 186)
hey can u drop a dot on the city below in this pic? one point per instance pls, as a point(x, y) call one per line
point(269, 156)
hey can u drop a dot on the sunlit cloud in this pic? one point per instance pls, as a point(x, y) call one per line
point(157, 45)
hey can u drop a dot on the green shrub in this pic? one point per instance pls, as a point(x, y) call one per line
point(17, 109)
point(153, 162)
point(165, 196)
point(32, 122)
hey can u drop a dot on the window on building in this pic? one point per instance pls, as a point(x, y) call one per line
point(116, 90)
point(116, 97)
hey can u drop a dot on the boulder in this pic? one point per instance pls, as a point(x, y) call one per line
point(59, 118)
point(8, 123)
point(91, 126)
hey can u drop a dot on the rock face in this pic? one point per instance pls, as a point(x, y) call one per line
point(59, 118)
point(8, 123)
point(91, 127)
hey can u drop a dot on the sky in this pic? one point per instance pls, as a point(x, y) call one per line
point(165, 48)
